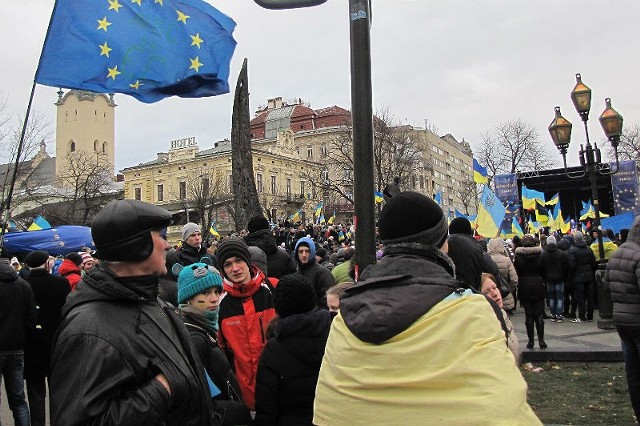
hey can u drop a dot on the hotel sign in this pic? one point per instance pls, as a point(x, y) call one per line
point(183, 143)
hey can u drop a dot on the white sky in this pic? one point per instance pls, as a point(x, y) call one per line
point(465, 66)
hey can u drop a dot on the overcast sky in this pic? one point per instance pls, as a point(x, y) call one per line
point(465, 66)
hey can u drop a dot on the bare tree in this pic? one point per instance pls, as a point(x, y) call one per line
point(207, 193)
point(246, 203)
point(86, 186)
point(511, 147)
point(629, 148)
point(395, 153)
point(37, 132)
point(469, 194)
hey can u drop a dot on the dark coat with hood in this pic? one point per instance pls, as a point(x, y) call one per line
point(584, 261)
point(17, 309)
point(50, 294)
point(115, 337)
point(319, 276)
point(279, 262)
point(529, 267)
point(555, 264)
point(289, 367)
point(623, 275)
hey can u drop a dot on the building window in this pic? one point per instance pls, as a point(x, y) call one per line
point(104, 147)
point(302, 187)
point(273, 185)
point(137, 193)
point(309, 151)
point(205, 186)
point(288, 187)
point(182, 189)
point(95, 145)
point(259, 185)
point(72, 147)
point(160, 192)
point(324, 150)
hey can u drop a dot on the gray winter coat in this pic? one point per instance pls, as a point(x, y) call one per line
point(623, 275)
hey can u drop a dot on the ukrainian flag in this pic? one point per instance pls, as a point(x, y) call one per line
point(490, 214)
point(554, 200)
point(479, 173)
point(212, 229)
point(39, 223)
point(529, 198)
point(379, 197)
point(296, 216)
point(542, 214)
point(332, 219)
point(318, 209)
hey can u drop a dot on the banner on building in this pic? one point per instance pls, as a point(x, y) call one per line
point(625, 188)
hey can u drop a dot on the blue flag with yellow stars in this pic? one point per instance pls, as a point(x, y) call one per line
point(149, 49)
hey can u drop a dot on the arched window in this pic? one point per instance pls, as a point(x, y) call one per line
point(104, 147)
point(72, 147)
point(96, 145)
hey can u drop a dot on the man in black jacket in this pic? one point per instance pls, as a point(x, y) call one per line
point(17, 318)
point(121, 356)
point(50, 292)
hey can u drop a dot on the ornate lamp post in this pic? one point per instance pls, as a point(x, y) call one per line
point(592, 168)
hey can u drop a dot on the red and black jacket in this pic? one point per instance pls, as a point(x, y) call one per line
point(245, 312)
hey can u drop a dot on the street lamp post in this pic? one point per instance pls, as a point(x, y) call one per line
point(592, 168)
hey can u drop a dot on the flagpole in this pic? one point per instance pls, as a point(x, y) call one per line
point(7, 205)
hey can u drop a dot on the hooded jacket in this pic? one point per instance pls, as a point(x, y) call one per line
point(623, 275)
point(279, 262)
point(530, 268)
point(555, 264)
point(498, 254)
point(71, 272)
point(115, 337)
point(245, 312)
point(319, 276)
point(407, 348)
point(584, 261)
point(289, 367)
point(187, 255)
point(17, 309)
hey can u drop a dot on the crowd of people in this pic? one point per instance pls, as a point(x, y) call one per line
point(270, 327)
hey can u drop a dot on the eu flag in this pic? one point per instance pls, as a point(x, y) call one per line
point(149, 49)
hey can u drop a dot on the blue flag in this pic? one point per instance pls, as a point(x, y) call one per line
point(147, 49)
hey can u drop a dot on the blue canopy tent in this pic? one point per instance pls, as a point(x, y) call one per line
point(57, 241)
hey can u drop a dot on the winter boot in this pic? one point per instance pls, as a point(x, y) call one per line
point(540, 328)
point(529, 325)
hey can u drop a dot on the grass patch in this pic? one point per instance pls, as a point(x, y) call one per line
point(574, 393)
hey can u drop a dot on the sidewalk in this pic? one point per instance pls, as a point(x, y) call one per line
point(569, 341)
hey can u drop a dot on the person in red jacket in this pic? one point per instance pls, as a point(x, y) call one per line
point(245, 311)
point(70, 269)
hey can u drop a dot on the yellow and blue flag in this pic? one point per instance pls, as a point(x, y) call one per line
point(530, 196)
point(321, 220)
point(553, 201)
point(378, 196)
point(479, 173)
point(213, 230)
point(490, 214)
point(542, 214)
point(438, 198)
point(297, 216)
point(146, 49)
point(318, 209)
point(332, 219)
point(39, 223)
point(589, 212)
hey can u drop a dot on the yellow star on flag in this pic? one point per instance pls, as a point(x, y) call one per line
point(196, 40)
point(182, 17)
point(104, 49)
point(136, 85)
point(158, 1)
point(113, 72)
point(114, 5)
point(137, 1)
point(103, 24)
point(195, 64)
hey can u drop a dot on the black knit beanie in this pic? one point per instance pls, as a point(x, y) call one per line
point(257, 223)
point(293, 295)
point(232, 247)
point(410, 217)
point(460, 225)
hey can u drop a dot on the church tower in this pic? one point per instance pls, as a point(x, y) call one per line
point(85, 128)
